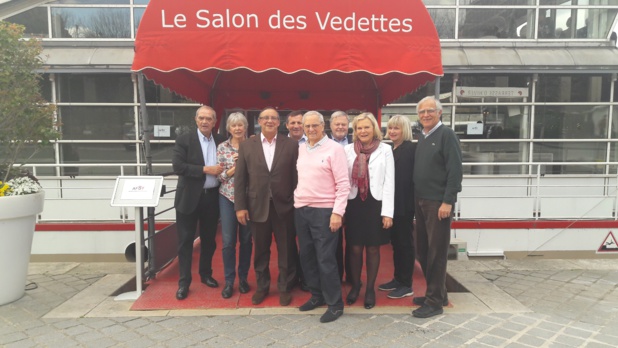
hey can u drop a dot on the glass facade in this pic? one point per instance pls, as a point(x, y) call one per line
point(500, 116)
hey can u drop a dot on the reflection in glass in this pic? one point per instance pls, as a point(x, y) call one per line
point(571, 152)
point(95, 88)
point(91, 2)
point(491, 80)
point(439, 2)
point(179, 119)
point(157, 94)
point(493, 122)
point(499, 23)
point(138, 13)
point(446, 84)
point(92, 22)
point(573, 88)
point(571, 122)
point(95, 122)
point(35, 21)
point(96, 153)
point(444, 20)
point(141, 2)
point(562, 23)
point(494, 152)
point(45, 87)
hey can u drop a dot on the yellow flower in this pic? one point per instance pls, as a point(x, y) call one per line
point(3, 188)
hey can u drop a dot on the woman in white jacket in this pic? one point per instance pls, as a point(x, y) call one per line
point(370, 202)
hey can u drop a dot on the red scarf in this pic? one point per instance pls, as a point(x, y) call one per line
point(360, 178)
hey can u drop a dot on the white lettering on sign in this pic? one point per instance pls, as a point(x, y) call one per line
point(206, 19)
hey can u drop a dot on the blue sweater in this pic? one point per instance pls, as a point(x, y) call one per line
point(437, 166)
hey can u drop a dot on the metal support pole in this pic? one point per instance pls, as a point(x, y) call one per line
point(139, 263)
point(145, 126)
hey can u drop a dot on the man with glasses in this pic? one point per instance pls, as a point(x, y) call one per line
point(264, 194)
point(437, 180)
point(320, 200)
point(197, 197)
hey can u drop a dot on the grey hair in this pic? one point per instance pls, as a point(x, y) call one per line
point(236, 117)
point(214, 113)
point(313, 112)
point(432, 98)
point(338, 114)
point(402, 122)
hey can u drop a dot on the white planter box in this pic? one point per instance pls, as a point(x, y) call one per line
point(17, 221)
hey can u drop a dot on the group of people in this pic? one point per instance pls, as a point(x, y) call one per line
point(307, 186)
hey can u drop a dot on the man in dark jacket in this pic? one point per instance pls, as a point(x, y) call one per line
point(197, 197)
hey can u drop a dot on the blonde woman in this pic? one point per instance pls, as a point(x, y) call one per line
point(370, 202)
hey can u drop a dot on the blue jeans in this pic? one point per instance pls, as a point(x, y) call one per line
point(230, 230)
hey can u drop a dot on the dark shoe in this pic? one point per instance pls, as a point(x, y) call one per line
point(210, 282)
point(419, 301)
point(243, 287)
point(390, 286)
point(228, 290)
point(400, 292)
point(370, 299)
point(352, 295)
point(331, 315)
point(182, 292)
point(285, 298)
point(313, 303)
point(427, 311)
point(258, 297)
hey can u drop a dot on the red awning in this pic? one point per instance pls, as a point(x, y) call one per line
point(291, 54)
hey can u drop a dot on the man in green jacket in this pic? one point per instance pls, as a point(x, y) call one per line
point(437, 180)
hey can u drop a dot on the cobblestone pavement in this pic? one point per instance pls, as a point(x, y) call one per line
point(550, 303)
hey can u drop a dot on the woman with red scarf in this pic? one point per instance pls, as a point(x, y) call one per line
point(370, 202)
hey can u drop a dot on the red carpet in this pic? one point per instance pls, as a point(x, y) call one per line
point(160, 292)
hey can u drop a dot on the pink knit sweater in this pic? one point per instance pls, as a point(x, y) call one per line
point(323, 180)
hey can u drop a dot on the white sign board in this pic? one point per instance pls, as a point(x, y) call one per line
point(162, 131)
point(496, 92)
point(475, 129)
point(137, 191)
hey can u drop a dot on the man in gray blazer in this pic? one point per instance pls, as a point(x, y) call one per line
point(264, 193)
point(197, 197)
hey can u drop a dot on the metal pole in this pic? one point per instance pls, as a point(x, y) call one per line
point(145, 126)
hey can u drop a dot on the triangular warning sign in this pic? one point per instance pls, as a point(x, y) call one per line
point(609, 245)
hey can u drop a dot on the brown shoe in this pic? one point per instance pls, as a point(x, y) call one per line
point(258, 297)
point(285, 298)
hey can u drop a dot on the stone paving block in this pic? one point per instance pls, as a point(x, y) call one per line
point(21, 344)
point(297, 340)
point(569, 340)
point(140, 343)
point(598, 345)
point(531, 340)
point(89, 336)
point(492, 341)
point(516, 345)
point(76, 330)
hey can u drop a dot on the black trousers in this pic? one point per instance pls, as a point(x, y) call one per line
point(317, 254)
point(207, 215)
point(285, 237)
point(403, 249)
point(433, 237)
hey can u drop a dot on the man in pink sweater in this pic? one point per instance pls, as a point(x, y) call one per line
point(320, 200)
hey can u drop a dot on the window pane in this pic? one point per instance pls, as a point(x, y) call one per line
point(444, 20)
point(157, 94)
point(494, 152)
point(493, 23)
point(45, 87)
point(91, 2)
point(576, 23)
point(141, 2)
point(96, 153)
point(439, 2)
point(571, 152)
point(179, 119)
point(497, 2)
point(138, 13)
point(573, 88)
point(30, 154)
point(614, 130)
point(493, 122)
point(91, 22)
point(95, 122)
point(446, 84)
point(570, 122)
point(35, 21)
point(95, 88)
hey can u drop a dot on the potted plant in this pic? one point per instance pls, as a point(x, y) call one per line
point(26, 124)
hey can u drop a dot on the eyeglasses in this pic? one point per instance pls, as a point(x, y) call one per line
point(314, 126)
point(427, 111)
point(269, 118)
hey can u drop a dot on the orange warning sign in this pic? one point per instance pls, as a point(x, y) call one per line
point(609, 245)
